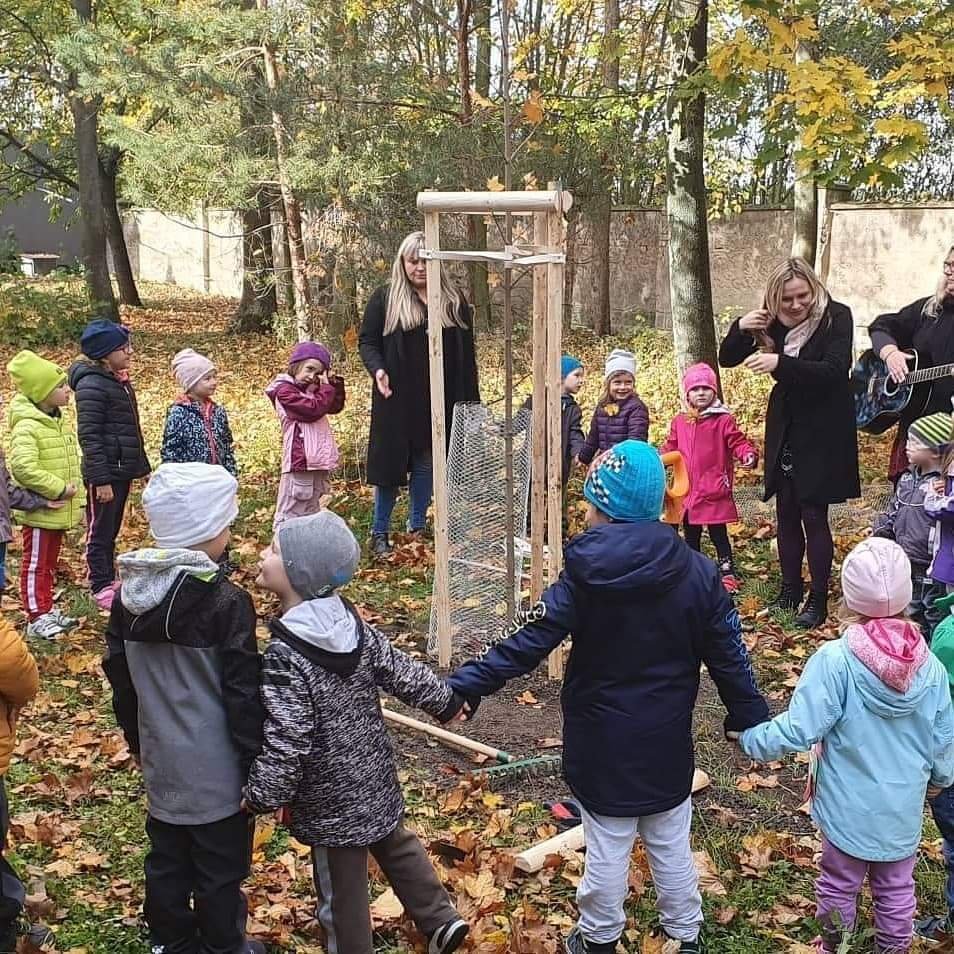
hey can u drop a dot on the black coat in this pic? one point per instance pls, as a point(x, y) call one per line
point(395, 419)
point(932, 338)
point(811, 408)
point(107, 419)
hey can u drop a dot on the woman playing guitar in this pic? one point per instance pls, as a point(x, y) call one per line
point(927, 326)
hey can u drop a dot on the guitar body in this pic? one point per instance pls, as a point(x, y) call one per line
point(879, 402)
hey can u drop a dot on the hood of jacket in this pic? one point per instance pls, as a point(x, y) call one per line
point(885, 649)
point(23, 409)
point(277, 381)
point(647, 556)
point(327, 632)
point(83, 367)
point(152, 585)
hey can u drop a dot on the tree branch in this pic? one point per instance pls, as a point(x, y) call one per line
point(50, 170)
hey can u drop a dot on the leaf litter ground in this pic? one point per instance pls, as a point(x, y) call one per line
point(77, 800)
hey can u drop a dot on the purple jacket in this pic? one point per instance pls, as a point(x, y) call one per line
point(632, 421)
point(13, 497)
point(940, 508)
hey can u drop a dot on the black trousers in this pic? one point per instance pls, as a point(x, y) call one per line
point(204, 864)
point(718, 534)
point(103, 521)
point(12, 892)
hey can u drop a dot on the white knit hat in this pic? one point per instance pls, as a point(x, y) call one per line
point(876, 578)
point(619, 361)
point(190, 368)
point(188, 504)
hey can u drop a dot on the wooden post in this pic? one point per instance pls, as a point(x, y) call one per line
point(538, 468)
point(554, 437)
point(435, 334)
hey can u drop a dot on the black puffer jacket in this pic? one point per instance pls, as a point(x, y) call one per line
point(108, 425)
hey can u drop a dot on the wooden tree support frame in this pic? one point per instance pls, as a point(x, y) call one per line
point(547, 258)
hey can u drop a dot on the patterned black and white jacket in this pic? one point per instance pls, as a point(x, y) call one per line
point(198, 432)
point(327, 754)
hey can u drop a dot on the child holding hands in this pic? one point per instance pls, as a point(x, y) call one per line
point(620, 414)
point(44, 459)
point(197, 429)
point(303, 398)
point(327, 754)
point(709, 440)
point(876, 703)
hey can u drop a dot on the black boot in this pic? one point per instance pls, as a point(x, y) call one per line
point(789, 597)
point(814, 612)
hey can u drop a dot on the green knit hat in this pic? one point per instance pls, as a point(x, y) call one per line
point(933, 431)
point(35, 377)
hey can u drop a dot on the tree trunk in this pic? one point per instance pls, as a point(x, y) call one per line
point(282, 265)
point(689, 279)
point(598, 213)
point(481, 10)
point(122, 267)
point(805, 195)
point(92, 222)
point(296, 245)
point(258, 303)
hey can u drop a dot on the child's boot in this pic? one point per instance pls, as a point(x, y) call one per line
point(575, 943)
point(789, 597)
point(814, 612)
point(448, 937)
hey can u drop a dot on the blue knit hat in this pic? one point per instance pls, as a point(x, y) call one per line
point(101, 337)
point(568, 364)
point(629, 483)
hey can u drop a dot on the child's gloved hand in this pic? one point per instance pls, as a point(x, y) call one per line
point(468, 710)
point(733, 736)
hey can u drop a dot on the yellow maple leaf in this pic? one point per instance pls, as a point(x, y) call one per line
point(532, 110)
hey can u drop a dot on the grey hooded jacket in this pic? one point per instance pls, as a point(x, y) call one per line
point(183, 662)
point(327, 753)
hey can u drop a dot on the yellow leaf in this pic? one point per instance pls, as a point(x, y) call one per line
point(532, 110)
point(350, 339)
point(495, 185)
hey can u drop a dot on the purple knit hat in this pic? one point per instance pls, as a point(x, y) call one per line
point(310, 349)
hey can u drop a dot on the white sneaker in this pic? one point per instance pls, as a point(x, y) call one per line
point(67, 622)
point(46, 626)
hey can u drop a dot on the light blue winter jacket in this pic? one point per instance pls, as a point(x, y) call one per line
point(881, 748)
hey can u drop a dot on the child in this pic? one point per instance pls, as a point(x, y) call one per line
point(620, 413)
point(571, 417)
point(112, 445)
point(326, 754)
point(878, 702)
point(303, 398)
point(19, 681)
point(197, 429)
point(646, 612)
point(941, 928)
point(182, 660)
point(45, 459)
point(907, 522)
point(708, 438)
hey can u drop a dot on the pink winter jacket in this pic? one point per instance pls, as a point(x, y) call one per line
point(708, 443)
point(308, 442)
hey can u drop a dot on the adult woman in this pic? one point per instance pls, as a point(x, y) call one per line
point(394, 349)
point(926, 325)
point(803, 339)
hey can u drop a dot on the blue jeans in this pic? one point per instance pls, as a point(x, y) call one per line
point(420, 488)
point(942, 808)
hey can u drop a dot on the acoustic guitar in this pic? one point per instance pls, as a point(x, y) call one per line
point(879, 401)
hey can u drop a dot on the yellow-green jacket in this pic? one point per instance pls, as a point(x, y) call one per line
point(44, 457)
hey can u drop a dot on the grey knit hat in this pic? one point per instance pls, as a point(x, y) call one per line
point(320, 553)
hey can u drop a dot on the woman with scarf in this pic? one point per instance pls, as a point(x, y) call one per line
point(926, 325)
point(802, 338)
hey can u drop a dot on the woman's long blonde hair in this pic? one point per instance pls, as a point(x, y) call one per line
point(775, 287)
point(405, 309)
point(932, 307)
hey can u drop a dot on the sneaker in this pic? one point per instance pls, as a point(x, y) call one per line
point(46, 626)
point(682, 947)
point(380, 545)
point(935, 928)
point(448, 937)
point(575, 943)
point(730, 583)
point(104, 598)
point(814, 612)
point(67, 622)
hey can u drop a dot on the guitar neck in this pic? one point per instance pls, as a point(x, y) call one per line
point(929, 374)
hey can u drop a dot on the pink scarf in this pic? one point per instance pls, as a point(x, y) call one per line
point(893, 649)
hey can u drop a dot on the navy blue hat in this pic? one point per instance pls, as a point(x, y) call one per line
point(629, 483)
point(101, 337)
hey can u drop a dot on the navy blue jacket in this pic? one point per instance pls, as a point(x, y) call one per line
point(645, 612)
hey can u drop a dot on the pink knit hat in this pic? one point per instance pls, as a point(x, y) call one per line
point(190, 368)
point(699, 376)
point(876, 578)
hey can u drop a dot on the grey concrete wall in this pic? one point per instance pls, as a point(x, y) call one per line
point(29, 218)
